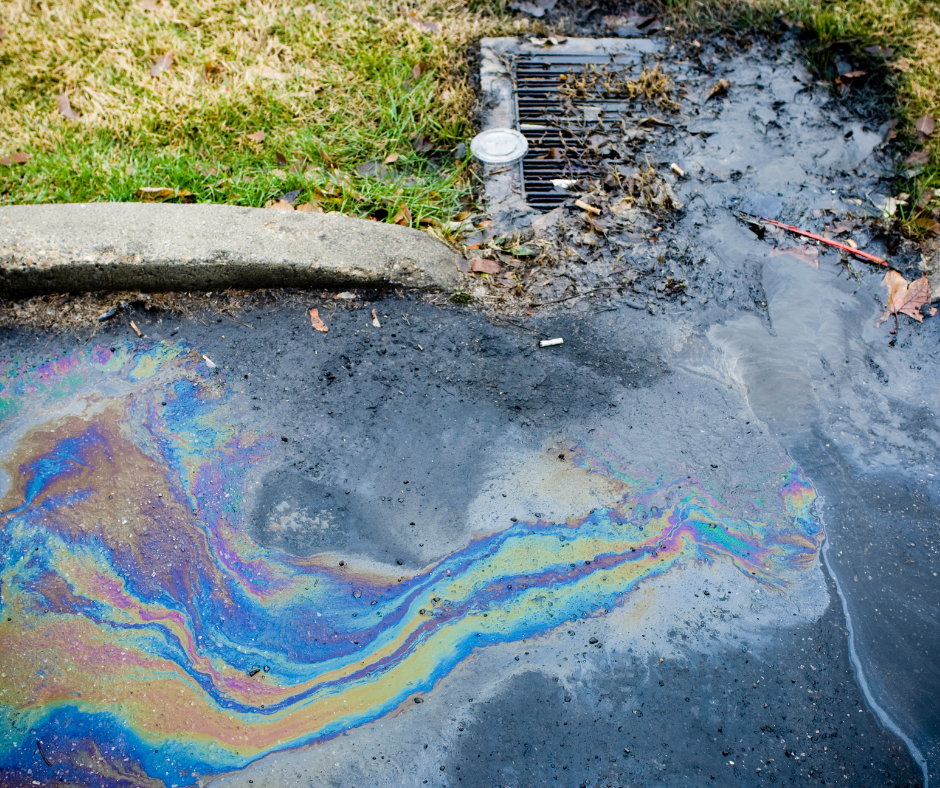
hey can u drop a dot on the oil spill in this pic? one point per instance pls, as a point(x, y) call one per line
point(144, 612)
point(252, 573)
point(840, 398)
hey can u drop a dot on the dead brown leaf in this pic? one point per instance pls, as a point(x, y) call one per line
point(417, 71)
point(161, 194)
point(905, 298)
point(15, 158)
point(886, 52)
point(316, 322)
point(65, 108)
point(209, 69)
point(309, 207)
point(391, 158)
point(483, 266)
point(421, 143)
point(162, 64)
point(403, 216)
point(415, 21)
point(279, 205)
point(718, 89)
point(258, 136)
point(266, 72)
point(925, 126)
point(843, 226)
point(917, 157)
point(806, 253)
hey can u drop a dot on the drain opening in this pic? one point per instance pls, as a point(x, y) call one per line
point(551, 118)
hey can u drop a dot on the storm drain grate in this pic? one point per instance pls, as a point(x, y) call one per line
point(551, 121)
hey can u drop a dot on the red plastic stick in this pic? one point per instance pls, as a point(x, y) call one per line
point(857, 252)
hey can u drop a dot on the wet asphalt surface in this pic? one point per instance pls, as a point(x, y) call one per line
point(403, 443)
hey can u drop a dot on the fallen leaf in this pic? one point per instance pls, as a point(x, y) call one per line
point(483, 266)
point(279, 205)
point(905, 298)
point(298, 166)
point(209, 68)
point(373, 169)
point(807, 253)
point(891, 205)
point(160, 193)
point(536, 8)
point(15, 158)
point(589, 208)
point(345, 296)
point(925, 126)
point(391, 158)
point(309, 207)
point(917, 157)
point(886, 52)
point(65, 108)
point(266, 72)
point(421, 144)
point(162, 64)
point(278, 173)
point(415, 21)
point(147, 5)
point(523, 251)
point(840, 227)
point(375, 320)
point(542, 224)
point(258, 136)
point(718, 89)
point(853, 74)
point(417, 71)
point(281, 158)
point(403, 216)
point(316, 322)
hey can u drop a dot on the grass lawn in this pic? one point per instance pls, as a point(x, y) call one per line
point(359, 104)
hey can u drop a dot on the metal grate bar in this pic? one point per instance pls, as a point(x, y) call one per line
point(540, 115)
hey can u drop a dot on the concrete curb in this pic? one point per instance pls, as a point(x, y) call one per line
point(157, 247)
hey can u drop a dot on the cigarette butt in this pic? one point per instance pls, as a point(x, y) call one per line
point(585, 207)
point(136, 330)
point(677, 170)
point(550, 342)
point(209, 362)
point(420, 348)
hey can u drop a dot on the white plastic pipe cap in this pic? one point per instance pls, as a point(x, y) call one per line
point(499, 146)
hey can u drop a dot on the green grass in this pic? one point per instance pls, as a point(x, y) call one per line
point(332, 83)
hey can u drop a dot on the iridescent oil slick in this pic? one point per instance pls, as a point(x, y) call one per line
point(147, 639)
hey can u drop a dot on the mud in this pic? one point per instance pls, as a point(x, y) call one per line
point(431, 552)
